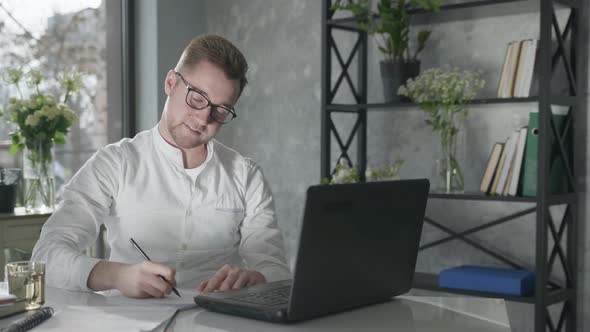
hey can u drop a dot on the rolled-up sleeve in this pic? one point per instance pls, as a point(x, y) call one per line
point(261, 245)
point(75, 224)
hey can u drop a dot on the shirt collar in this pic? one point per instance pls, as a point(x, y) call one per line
point(173, 154)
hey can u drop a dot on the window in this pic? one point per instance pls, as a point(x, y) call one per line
point(54, 36)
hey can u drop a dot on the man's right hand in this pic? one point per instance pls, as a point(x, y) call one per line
point(138, 280)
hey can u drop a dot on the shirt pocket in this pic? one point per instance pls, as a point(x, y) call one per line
point(229, 211)
point(231, 205)
point(222, 221)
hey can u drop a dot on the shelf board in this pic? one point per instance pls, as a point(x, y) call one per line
point(477, 196)
point(349, 23)
point(20, 213)
point(429, 281)
point(558, 199)
point(467, 4)
point(478, 8)
point(345, 108)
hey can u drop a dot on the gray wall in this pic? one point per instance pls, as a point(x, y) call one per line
point(279, 120)
point(278, 114)
point(163, 29)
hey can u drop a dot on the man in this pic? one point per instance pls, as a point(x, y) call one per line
point(202, 212)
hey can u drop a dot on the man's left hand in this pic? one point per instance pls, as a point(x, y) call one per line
point(231, 277)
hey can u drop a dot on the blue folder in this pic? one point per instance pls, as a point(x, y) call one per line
point(488, 279)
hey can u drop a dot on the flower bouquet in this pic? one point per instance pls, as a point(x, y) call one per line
point(41, 121)
point(444, 94)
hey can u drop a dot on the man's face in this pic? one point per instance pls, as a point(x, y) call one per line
point(187, 127)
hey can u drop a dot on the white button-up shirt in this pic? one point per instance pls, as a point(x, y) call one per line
point(138, 188)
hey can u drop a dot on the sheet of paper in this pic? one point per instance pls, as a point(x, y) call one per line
point(114, 319)
point(114, 297)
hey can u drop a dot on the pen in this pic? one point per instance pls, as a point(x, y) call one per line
point(148, 259)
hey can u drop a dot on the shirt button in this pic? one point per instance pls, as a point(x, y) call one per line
point(181, 265)
point(184, 247)
point(188, 213)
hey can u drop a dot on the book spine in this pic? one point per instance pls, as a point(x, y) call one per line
point(504, 74)
point(512, 190)
point(513, 70)
point(491, 167)
point(499, 169)
point(507, 162)
point(521, 69)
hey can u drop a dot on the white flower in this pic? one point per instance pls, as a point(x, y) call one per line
point(32, 120)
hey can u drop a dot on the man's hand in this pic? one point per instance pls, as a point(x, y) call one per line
point(231, 277)
point(139, 280)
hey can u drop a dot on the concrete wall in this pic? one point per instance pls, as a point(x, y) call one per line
point(163, 29)
point(278, 121)
point(278, 114)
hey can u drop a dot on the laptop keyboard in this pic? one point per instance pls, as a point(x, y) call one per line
point(272, 297)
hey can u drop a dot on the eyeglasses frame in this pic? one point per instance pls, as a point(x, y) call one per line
point(189, 88)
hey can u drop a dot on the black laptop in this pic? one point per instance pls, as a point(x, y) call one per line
point(358, 246)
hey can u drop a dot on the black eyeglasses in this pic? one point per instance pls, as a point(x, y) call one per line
point(197, 100)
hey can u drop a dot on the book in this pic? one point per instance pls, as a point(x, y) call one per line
point(7, 299)
point(519, 71)
point(12, 308)
point(509, 177)
point(504, 73)
point(529, 168)
point(491, 167)
point(503, 86)
point(488, 279)
point(526, 69)
point(510, 145)
point(32, 319)
point(499, 169)
point(518, 158)
point(509, 69)
point(516, 64)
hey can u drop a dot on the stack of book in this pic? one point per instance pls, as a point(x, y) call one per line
point(504, 166)
point(10, 306)
point(512, 165)
point(517, 72)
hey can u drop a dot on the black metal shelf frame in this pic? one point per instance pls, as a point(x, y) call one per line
point(553, 145)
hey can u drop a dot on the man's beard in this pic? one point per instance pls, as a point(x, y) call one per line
point(185, 141)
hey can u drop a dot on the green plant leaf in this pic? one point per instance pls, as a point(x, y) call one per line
point(15, 148)
point(59, 138)
point(422, 38)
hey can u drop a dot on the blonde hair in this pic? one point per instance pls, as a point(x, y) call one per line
point(218, 51)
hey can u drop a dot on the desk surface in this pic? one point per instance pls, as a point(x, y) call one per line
point(20, 213)
point(405, 313)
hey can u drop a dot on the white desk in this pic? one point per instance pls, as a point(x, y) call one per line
point(406, 313)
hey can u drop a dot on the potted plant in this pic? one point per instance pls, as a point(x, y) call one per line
point(392, 23)
point(344, 173)
point(384, 173)
point(443, 95)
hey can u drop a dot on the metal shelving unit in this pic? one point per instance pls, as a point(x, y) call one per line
point(562, 249)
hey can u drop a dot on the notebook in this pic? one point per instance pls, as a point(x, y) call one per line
point(358, 246)
point(31, 319)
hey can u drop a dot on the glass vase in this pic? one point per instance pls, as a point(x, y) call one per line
point(39, 177)
point(448, 170)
